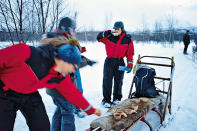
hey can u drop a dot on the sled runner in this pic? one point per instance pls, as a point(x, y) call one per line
point(126, 114)
point(194, 53)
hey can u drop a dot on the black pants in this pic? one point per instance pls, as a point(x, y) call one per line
point(185, 48)
point(30, 105)
point(111, 72)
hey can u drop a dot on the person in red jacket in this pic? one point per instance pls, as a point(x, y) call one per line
point(118, 45)
point(25, 69)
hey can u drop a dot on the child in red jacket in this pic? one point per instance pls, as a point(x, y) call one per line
point(23, 70)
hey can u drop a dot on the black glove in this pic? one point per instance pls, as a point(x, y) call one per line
point(107, 33)
point(91, 62)
point(85, 61)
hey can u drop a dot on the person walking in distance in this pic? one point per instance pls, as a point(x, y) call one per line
point(186, 41)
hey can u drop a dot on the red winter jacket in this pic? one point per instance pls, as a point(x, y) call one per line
point(18, 76)
point(118, 46)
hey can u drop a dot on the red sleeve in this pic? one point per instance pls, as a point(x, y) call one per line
point(73, 95)
point(104, 40)
point(14, 55)
point(130, 54)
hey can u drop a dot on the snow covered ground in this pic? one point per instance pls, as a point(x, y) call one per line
point(184, 95)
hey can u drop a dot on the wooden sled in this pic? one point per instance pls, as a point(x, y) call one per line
point(126, 114)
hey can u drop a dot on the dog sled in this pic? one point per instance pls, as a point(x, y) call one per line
point(126, 114)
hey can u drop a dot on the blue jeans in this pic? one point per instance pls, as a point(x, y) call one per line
point(63, 118)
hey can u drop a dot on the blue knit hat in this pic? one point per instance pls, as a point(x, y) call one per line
point(69, 53)
point(118, 24)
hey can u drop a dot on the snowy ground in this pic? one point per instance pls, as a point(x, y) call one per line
point(184, 106)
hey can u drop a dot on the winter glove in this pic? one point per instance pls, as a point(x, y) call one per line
point(129, 70)
point(91, 62)
point(85, 61)
point(107, 33)
point(83, 49)
point(124, 68)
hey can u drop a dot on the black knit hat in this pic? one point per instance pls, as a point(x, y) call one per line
point(52, 35)
point(67, 24)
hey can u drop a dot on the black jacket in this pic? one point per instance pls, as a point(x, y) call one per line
point(42, 59)
point(186, 38)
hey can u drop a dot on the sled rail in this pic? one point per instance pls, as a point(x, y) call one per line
point(155, 64)
point(139, 58)
point(162, 78)
point(167, 92)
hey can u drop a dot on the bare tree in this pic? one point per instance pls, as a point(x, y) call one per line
point(171, 21)
point(15, 17)
point(108, 19)
point(14, 21)
point(57, 8)
point(145, 30)
point(3, 12)
point(42, 11)
point(27, 19)
point(158, 31)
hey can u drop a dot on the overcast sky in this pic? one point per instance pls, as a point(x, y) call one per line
point(92, 14)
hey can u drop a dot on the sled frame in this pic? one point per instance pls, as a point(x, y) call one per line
point(167, 92)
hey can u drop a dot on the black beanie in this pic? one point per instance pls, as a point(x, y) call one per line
point(52, 35)
point(67, 24)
